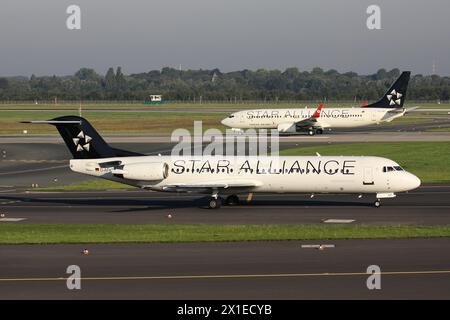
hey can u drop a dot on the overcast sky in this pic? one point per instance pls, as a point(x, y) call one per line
point(142, 35)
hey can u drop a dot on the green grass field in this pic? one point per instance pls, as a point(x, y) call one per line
point(147, 233)
point(439, 130)
point(428, 160)
point(95, 184)
point(206, 105)
point(141, 122)
point(114, 122)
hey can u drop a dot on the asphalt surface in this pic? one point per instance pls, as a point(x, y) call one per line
point(415, 268)
point(429, 205)
point(410, 269)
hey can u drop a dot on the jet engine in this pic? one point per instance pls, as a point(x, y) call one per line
point(146, 171)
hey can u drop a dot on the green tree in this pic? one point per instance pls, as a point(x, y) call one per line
point(110, 80)
point(120, 79)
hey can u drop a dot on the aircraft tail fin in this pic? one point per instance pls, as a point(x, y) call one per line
point(395, 97)
point(83, 141)
point(316, 114)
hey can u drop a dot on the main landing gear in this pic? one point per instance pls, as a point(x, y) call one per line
point(216, 202)
point(232, 200)
point(312, 131)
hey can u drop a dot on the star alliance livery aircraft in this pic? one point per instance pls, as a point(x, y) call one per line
point(315, 121)
point(230, 175)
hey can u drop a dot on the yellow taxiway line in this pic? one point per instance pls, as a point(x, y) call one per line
point(234, 276)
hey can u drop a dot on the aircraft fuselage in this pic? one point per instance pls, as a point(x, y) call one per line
point(304, 174)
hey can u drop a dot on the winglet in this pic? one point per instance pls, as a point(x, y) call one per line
point(317, 113)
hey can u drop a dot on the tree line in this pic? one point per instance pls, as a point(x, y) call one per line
point(204, 85)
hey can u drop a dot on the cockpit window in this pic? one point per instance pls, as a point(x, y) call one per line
point(231, 116)
point(394, 168)
point(388, 169)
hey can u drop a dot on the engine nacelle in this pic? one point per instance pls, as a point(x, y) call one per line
point(148, 171)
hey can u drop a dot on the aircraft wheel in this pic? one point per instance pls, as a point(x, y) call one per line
point(311, 132)
point(232, 200)
point(214, 203)
point(319, 131)
point(377, 203)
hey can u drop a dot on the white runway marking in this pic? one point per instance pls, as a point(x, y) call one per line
point(12, 219)
point(33, 170)
point(339, 221)
point(9, 202)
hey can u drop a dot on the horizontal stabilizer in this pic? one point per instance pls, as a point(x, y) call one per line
point(52, 122)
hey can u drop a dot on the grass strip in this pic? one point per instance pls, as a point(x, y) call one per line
point(171, 233)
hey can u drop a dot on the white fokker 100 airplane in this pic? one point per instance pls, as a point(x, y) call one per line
point(315, 121)
point(230, 175)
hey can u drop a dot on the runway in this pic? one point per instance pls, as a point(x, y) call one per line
point(428, 205)
point(410, 269)
point(357, 136)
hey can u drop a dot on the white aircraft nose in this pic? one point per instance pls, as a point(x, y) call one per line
point(225, 122)
point(412, 181)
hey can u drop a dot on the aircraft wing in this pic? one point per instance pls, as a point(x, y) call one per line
point(211, 185)
point(411, 109)
point(396, 113)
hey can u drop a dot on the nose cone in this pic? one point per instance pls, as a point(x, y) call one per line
point(226, 122)
point(412, 182)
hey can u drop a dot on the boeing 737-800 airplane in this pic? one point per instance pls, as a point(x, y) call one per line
point(230, 175)
point(316, 120)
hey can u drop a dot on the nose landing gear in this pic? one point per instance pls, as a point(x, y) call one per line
point(215, 203)
point(377, 203)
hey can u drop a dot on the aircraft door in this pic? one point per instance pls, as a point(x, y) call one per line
point(241, 119)
point(368, 176)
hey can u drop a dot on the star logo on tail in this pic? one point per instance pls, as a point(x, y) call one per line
point(394, 98)
point(82, 142)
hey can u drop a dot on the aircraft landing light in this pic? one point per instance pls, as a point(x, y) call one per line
point(317, 246)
